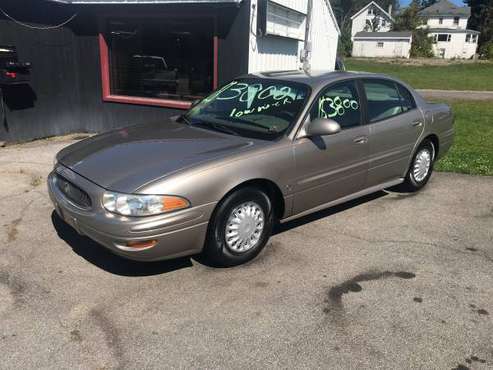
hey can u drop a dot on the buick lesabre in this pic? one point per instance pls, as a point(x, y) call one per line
point(264, 148)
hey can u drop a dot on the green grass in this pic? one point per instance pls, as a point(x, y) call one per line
point(472, 152)
point(453, 76)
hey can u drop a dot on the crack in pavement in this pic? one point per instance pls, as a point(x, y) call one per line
point(111, 336)
point(12, 231)
point(431, 244)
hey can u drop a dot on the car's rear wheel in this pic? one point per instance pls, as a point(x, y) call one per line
point(239, 228)
point(421, 167)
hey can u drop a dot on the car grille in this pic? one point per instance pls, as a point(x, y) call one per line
point(78, 196)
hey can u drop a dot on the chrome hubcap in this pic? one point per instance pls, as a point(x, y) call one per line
point(244, 227)
point(422, 164)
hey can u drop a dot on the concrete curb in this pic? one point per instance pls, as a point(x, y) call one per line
point(456, 94)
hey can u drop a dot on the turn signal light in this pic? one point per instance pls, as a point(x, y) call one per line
point(174, 203)
point(144, 244)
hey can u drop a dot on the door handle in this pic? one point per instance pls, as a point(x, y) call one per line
point(361, 140)
point(417, 123)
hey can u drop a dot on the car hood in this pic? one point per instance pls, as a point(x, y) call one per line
point(127, 159)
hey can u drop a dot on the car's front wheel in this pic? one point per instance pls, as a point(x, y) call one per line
point(240, 228)
point(421, 167)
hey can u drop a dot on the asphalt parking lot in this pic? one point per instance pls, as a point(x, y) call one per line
point(388, 281)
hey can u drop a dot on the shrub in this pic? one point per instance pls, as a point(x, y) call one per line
point(486, 50)
point(422, 45)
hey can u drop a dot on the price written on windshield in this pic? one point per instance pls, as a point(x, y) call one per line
point(257, 97)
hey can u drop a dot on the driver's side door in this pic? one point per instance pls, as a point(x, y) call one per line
point(331, 167)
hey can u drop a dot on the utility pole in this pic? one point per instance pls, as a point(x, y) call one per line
point(307, 50)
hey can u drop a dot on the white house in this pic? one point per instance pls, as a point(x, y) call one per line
point(447, 24)
point(280, 42)
point(371, 18)
point(382, 44)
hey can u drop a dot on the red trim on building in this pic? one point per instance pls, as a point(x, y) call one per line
point(106, 84)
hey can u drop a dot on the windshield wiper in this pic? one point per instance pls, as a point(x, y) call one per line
point(217, 127)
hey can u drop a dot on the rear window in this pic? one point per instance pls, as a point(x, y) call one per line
point(384, 100)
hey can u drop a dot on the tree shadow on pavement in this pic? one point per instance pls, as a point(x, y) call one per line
point(104, 259)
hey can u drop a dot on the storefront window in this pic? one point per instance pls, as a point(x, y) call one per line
point(169, 59)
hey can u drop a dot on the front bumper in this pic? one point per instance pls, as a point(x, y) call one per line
point(177, 234)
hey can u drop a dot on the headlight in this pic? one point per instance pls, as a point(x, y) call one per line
point(142, 205)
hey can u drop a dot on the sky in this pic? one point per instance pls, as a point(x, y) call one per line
point(406, 2)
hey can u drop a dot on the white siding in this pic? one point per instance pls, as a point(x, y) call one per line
point(391, 48)
point(448, 22)
point(268, 53)
point(324, 37)
point(359, 23)
point(457, 47)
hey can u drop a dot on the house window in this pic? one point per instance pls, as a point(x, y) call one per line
point(371, 11)
point(456, 21)
point(285, 22)
point(440, 20)
point(380, 44)
point(155, 62)
point(474, 39)
point(443, 37)
point(468, 37)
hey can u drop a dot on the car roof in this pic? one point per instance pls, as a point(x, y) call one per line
point(314, 79)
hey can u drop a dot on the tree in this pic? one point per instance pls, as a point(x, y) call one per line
point(409, 20)
point(482, 20)
point(373, 25)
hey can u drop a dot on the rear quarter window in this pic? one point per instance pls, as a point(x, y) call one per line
point(407, 99)
point(384, 99)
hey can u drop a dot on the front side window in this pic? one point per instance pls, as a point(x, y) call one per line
point(162, 59)
point(251, 107)
point(384, 100)
point(340, 103)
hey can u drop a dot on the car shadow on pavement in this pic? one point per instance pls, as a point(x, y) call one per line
point(104, 259)
point(280, 228)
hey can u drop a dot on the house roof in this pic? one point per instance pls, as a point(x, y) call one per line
point(446, 8)
point(384, 35)
point(144, 1)
point(385, 13)
point(451, 30)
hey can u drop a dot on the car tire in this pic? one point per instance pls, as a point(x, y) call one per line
point(239, 228)
point(421, 167)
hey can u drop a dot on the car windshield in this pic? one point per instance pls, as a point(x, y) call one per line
point(251, 107)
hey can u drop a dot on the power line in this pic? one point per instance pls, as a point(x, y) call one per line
point(42, 28)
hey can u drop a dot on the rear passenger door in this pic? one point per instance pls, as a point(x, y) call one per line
point(395, 125)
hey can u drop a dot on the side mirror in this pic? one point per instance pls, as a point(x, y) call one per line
point(322, 127)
